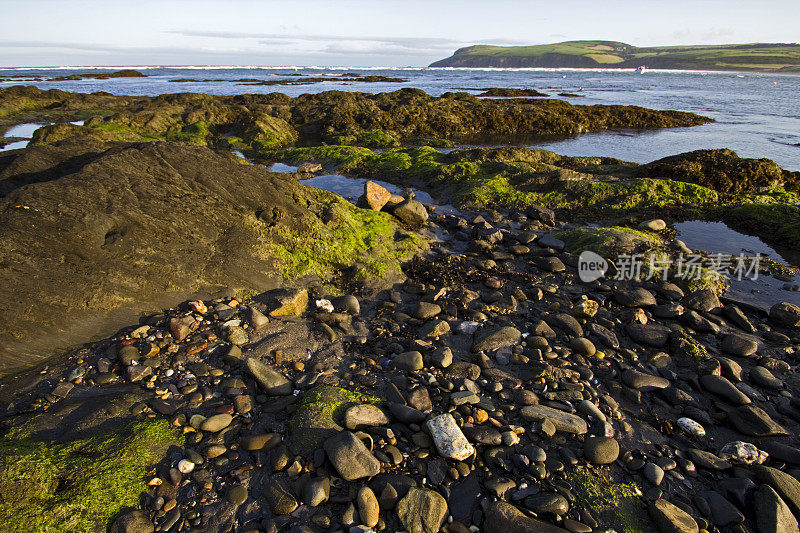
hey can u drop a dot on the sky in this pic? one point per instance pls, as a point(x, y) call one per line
point(357, 32)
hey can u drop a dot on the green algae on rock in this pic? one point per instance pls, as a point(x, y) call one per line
point(91, 229)
point(79, 485)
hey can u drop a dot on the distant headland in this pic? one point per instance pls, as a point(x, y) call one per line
point(759, 57)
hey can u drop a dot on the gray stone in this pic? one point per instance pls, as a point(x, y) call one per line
point(427, 310)
point(672, 519)
point(411, 212)
point(635, 297)
point(506, 336)
point(216, 423)
point(784, 484)
point(648, 334)
point(702, 300)
point(723, 512)
point(566, 422)
point(641, 381)
point(764, 378)
point(772, 513)
point(739, 345)
point(653, 473)
point(601, 450)
point(422, 510)
point(271, 381)
point(317, 491)
point(547, 503)
point(785, 314)
point(409, 361)
point(503, 517)
point(350, 457)
point(363, 416)
point(566, 323)
point(754, 421)
point(582, 346)
point(724, 389)
point(237, 495)
point(549, 241)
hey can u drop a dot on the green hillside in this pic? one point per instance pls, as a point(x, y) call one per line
point(763, 57)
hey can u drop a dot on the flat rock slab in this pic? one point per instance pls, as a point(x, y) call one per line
point(565, 422)
point(500, 338)
point(422, 510)
point(754, 421)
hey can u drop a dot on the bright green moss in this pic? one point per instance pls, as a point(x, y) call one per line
point(350, 236)
point(78, 485)
point(608, 241)
point(367, 138)
point(617, 500)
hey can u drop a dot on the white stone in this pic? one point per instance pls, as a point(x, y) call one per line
point(185, 466)
point(448, 437)
point(690, 426)
point(324, 305)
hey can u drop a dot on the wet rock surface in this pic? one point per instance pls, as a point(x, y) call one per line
point(487, 391)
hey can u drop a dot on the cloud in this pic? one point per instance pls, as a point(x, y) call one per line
point(710, 34)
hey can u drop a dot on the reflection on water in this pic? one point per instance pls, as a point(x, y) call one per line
point(353, 188)
point(23, 130)
point(717, 237)
point(281, 167)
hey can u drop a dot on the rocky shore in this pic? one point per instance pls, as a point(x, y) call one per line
point(490, 390)
point(291, 361)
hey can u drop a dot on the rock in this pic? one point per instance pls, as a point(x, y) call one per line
point(435, 329)
point(256, 318)
point(653, 473)
point(785, 314)
point(216, 423)
point(426, 310)
point(260, 441)
point(411, 212)
point(601, 450)
point(784, 484)
point(317, 491)
point(565, 422)
point(582, 346)
point(764, 378)
point(279, 496)
point(448, 437)
point(132, 522)
point(409, 361)
point(708, 460)
point(501, 338)
point(549, 241)
point(350, 457)
point(589, 408)
point(672, 519)
point(363, 416)
point(642, 381)
point(368, 508)
point(308, 167)
point(542, 214)
point(550, 264)
point(442, 357)
point(375, 196)
point(237, 495)
point(271, 381)
point(422, 510)
point(655, 224)
point(237, 336)
point(702, 301)
point(181, 327)
point(724, 389)
point(648, 334)
point(754, 421)
point(547, 503)
point(723, 512)
point(635, 298)
point(771, 512)
point(290, 302)
point(566, 323)
point(503, 517)
point(739, 345)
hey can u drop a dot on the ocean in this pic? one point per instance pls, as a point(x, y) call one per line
point(757, 115)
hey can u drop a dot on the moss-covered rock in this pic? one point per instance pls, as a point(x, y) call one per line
point(79, 485)
point(608, 241)
point(320, 415)
point(615, 504)
point(723, 171)
point(89, 230)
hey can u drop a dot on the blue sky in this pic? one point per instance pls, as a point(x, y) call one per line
point(359, 33)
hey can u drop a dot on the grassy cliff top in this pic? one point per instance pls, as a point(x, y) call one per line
point(766, 57)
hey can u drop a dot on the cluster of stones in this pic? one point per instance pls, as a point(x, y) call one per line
point(480, 394)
